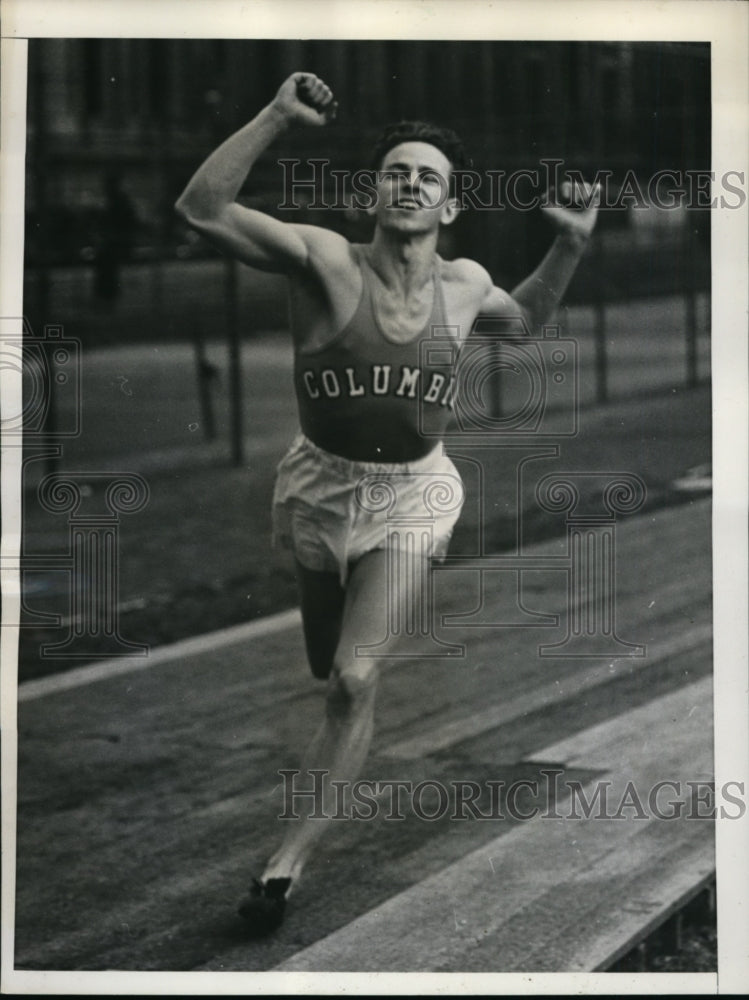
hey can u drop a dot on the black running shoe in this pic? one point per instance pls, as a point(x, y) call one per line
point(264, 908)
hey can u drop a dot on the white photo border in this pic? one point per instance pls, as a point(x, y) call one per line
point(722, 24)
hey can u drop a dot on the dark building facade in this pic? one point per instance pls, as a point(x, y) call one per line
point(142, 114)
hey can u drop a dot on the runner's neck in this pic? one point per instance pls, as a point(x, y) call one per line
point(403, 265)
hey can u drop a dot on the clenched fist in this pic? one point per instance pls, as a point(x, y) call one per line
point(305, 99)
point(576, 216)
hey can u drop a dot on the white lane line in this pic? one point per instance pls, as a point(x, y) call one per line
point(700, 477)
point(440, 736)
point(616, 743)
point(209, 641)
point(413, 930)
point(101, 670)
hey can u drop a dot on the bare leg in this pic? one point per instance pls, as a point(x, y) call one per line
point(342, 742)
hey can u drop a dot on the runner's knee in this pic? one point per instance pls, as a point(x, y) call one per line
point(351, 686)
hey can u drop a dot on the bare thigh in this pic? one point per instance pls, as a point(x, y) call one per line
point(338, 620)
point(378, 605)
point(365, 610)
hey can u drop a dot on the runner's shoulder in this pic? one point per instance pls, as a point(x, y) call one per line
point(467, 272)
point(326, 248)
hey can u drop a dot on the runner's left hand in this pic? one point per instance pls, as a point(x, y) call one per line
point(576, 209)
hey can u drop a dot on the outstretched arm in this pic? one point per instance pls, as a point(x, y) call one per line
point(209, 205)
point(538, 295)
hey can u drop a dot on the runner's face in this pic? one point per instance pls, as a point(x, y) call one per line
point(413, 188)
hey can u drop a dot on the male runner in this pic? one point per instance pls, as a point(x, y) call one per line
point(358, 313)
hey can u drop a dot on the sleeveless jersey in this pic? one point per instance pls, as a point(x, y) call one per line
point(368, 398)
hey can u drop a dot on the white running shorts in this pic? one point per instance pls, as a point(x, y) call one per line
point(329, 511)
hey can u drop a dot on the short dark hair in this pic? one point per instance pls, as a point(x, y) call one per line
point(443, 139)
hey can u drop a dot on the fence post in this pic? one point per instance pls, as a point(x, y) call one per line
point(690, 304)
point(206, 372)
point(235, 362)
point(599, 332)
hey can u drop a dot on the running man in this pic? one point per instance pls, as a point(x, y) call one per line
point(358, 313)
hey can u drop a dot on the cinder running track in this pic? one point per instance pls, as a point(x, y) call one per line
point(147, 795)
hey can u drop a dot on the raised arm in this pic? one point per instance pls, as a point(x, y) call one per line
point(538, 295)
point(209, 205)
